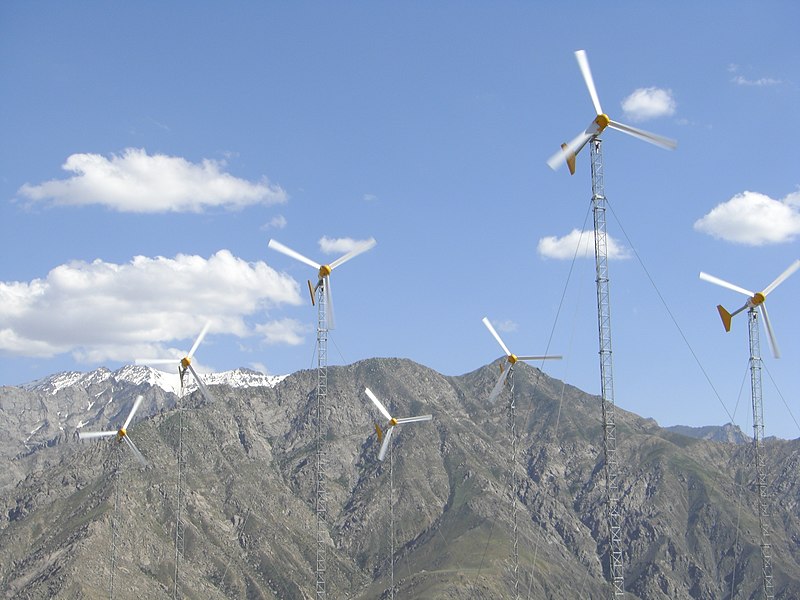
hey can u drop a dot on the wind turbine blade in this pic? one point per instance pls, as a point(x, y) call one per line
point(359, 249)
point(275, 245)
point(554, 357)
point(199, 339)
point(329, 317)
point(90, 435)
point(385, 444)
point(157, 361)
point(136, 404)
point(725, 284)
point(773, 343)
point(658, 140)
point(583, 63)
point(782, 277)
point(135, 451)
point(377, 403)
point(498, 387)
point(415, 419)
point(572, 148)
point(496, 336)
point(203, 389)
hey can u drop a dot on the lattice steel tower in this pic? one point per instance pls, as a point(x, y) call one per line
point(756, 301)
point(180, 526)
point(322, 395)
point(762, 499)
point(613, 518)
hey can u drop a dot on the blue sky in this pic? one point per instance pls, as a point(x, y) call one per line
point(151, 151)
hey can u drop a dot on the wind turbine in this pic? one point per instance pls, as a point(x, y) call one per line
point(385, 437)
point(121, 435)
point(570, 150)
point(184, 364)
point(568, 154)
point(393, 422)
point(507, 373)
point(324, 304)
point(511, 359)
point(757, 301)
point(754, 300)
point(323, 271)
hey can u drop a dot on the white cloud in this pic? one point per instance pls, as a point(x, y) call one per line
point(649, 103)
point(506, 326)
point(370, 198)
point(277, 222)
point(564, 248)
point(340, 245)
point(753, 219)
point(283, 331)
point(761, 82)
point(137, 182)
point(104, 311)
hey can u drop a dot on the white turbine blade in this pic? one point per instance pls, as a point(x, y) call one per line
point(573, 147)
point(90, 435)
point(135, 451)
point(553, 357)
point(583, 63)
point(387, 436)
point(782, 277)
point(203, 389)
point(415, 419)
point(773, 343)
point(360, 249)
point(725, 284)
point(498, 387)
point(329, 317)
point(136, 404)
point(275, 245)
point(199, 339)
point(377, 403)
point(157, 361)
point(658, 140)
point(496, 336)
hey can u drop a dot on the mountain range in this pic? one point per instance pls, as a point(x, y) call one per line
point(689, 529)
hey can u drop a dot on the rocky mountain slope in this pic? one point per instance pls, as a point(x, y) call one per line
point(689, 528)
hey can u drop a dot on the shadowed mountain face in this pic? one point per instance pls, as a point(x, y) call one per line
point(689, 528)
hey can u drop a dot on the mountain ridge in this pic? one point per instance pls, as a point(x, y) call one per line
point(250, 509)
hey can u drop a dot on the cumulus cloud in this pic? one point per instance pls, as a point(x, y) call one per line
point(277, 222)
point(341, 245)
point(564, 248)
point(283, 331)
point(141, 183)
point(649, 103)
point(753, 219)
point(101, 311)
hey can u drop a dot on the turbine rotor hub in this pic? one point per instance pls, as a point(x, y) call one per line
point(512, 358)
point(758, 298)
point(186, 361)
point(324, 271)
point(602, 121)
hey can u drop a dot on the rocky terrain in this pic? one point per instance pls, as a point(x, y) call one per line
point(689, 528)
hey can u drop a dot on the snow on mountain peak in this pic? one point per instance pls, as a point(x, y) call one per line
point(138, 375)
